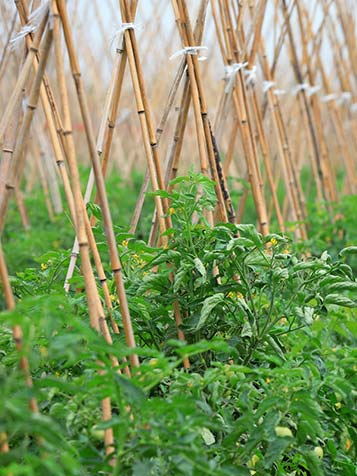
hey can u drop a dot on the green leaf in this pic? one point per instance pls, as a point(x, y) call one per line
point(180, 275)
point(247, 330)
point(130, 391)
point(275, 449)
point(350, 250)
point(208, 436)
point(249, 231)
point(339, 300)
point(200, 267)
point(343, 286)
point(280, 273)
point(208, 305)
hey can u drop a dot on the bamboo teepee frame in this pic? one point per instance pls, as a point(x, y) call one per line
point(276, 106)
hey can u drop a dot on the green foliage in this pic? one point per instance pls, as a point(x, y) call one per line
point(270, 335)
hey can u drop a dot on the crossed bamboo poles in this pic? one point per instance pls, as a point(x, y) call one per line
point(242, 50)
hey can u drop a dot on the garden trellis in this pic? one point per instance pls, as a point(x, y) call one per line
point(255, 89)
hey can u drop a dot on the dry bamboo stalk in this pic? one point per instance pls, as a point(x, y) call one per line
point(16, 331)
point(5, 52)
point(114, 256)
point(331, 185)
point(85, 235)
point(205, 147)
point(16, 170)
point(239, 96)
point(171, 163)
point(281, 136)
point(23, 77)
point(50, 172)
point(149, 137)
point(311, 126)
point(159, 131)
point(38, 158)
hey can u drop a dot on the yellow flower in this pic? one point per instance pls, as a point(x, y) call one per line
point(253, 461)
point(231, 294)
point(136, 256)
point(286, 251)
point(112, 297)
point(153, 362)
point(338, 405)
point(43, 351)
point(57, 374)
point(240, 296)
point(268, 380)
point(124, 243)
point(348, 444)
point(171, 211)
point(44, 266)
point(273, 241)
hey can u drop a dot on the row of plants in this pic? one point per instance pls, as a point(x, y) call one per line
point(270, 332)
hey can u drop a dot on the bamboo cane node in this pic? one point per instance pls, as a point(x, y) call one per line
point(111, 124)
point(117, 270)
point(8, 149)
point(67, 132)
point(102, 280)
point(141, 111)
point(153, 145)
point(31, 106)
point(83, 244)
point(9, 186)
point(33, 49)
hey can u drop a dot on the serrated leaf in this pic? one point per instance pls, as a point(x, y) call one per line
point(208, 305)
point(200, 267)
point(249, 231)
point(208, 436)
point(339, 300)
point(343, 286)
point(349, 250)
point(247, 330)
point(280, 273)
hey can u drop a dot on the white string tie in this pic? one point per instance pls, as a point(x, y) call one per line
point(353, 108)
point(119, 33)
point(329, 97)
point(345, 98)
point(300, 87)
point(311, 90)
point(190, 50)
point(33, 23)
point(251, 75)
point(231, 70)
point(279, 92)
point(267, 85)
